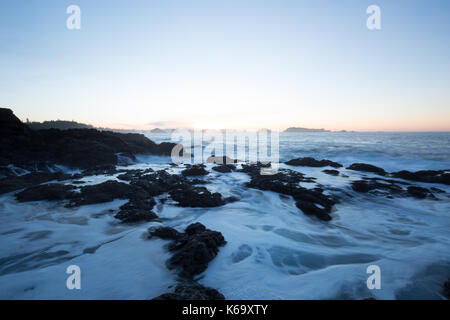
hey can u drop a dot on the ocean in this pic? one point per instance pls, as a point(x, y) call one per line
point(273, 250)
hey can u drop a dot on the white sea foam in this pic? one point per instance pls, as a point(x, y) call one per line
point(274, 251)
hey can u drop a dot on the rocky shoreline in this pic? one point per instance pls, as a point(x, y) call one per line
point(30, 162)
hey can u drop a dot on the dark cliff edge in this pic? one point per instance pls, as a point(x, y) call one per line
point(39, 150)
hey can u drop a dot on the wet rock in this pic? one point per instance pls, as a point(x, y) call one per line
point(447, 288)
point(130, 175)
point(310, 201)
point(309, 208)
point(192, 291)
point(225, 168)
point(107, 170)
point(190, 196)
point(28, 180)
point(107, 191)
point(437, 190)
point(159, 182)
point(194, 249)
point(390, 188)
point(167, 233)
point(418, 192)
point(221, 160)
point(361, 186)
point(50, 192)
point(364, 167)
point(194, 170)
point(76, 148)
point(136, 215)
point(331, 172)
point(430, 176)
point(137, 210)
point(311, 162)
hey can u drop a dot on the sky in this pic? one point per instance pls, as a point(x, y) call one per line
point(240, 64)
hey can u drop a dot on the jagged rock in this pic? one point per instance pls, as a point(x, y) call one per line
point(367, 168)
point(159, 182)
point(331, 172)
point(167, 233)
point(50, 192)
point(192, 291)
point(419, 192)
point(221, 160)
point(10, 125)
point(225, 168)
point(107, 191)
point(447, 288)
point(391, 188)
point(137, 210)
point(311, 162)
point(361, 186)
point(309, 208)
point(310, 201)
point(76, 148)
point(195, 170)
point(194, 249)
point(137, 215)
point(437, 190)
point(189, 196)
point(28, 180)
point(430, 176)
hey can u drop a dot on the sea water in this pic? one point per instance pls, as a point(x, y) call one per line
point(273, 250)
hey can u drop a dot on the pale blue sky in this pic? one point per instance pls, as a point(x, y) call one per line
point(233, 63)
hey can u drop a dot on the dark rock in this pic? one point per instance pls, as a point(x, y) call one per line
point(367, 168)
point(288, 182)
point(224, 168)
point(390, 188)
point(77, 148)
point(361, 186)
point(189, 196)
point(108, 170)
point(447, 288)
point(107, 191)
point(137, 210)
point(437, 190)
point(136, 215)
point(195, 249)
point(194, 170)
point(28, 180)
point(310, 208)
point(167, 233)
point(331, 172)
point(50, 192)
point(192, 291)
point(221, 160)
point(194, 228)
point(430, 176)
point(418, 192)
point(10, 125)
point(311, 162)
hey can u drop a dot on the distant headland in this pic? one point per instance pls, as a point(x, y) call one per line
point(299, 129)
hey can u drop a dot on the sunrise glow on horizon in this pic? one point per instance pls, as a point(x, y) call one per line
point(234, 64)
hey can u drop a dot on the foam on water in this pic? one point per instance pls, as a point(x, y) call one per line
point(274, 251)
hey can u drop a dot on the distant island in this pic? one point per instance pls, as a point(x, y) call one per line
point(158, 130)
point(58, 124)
point(299, 129)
